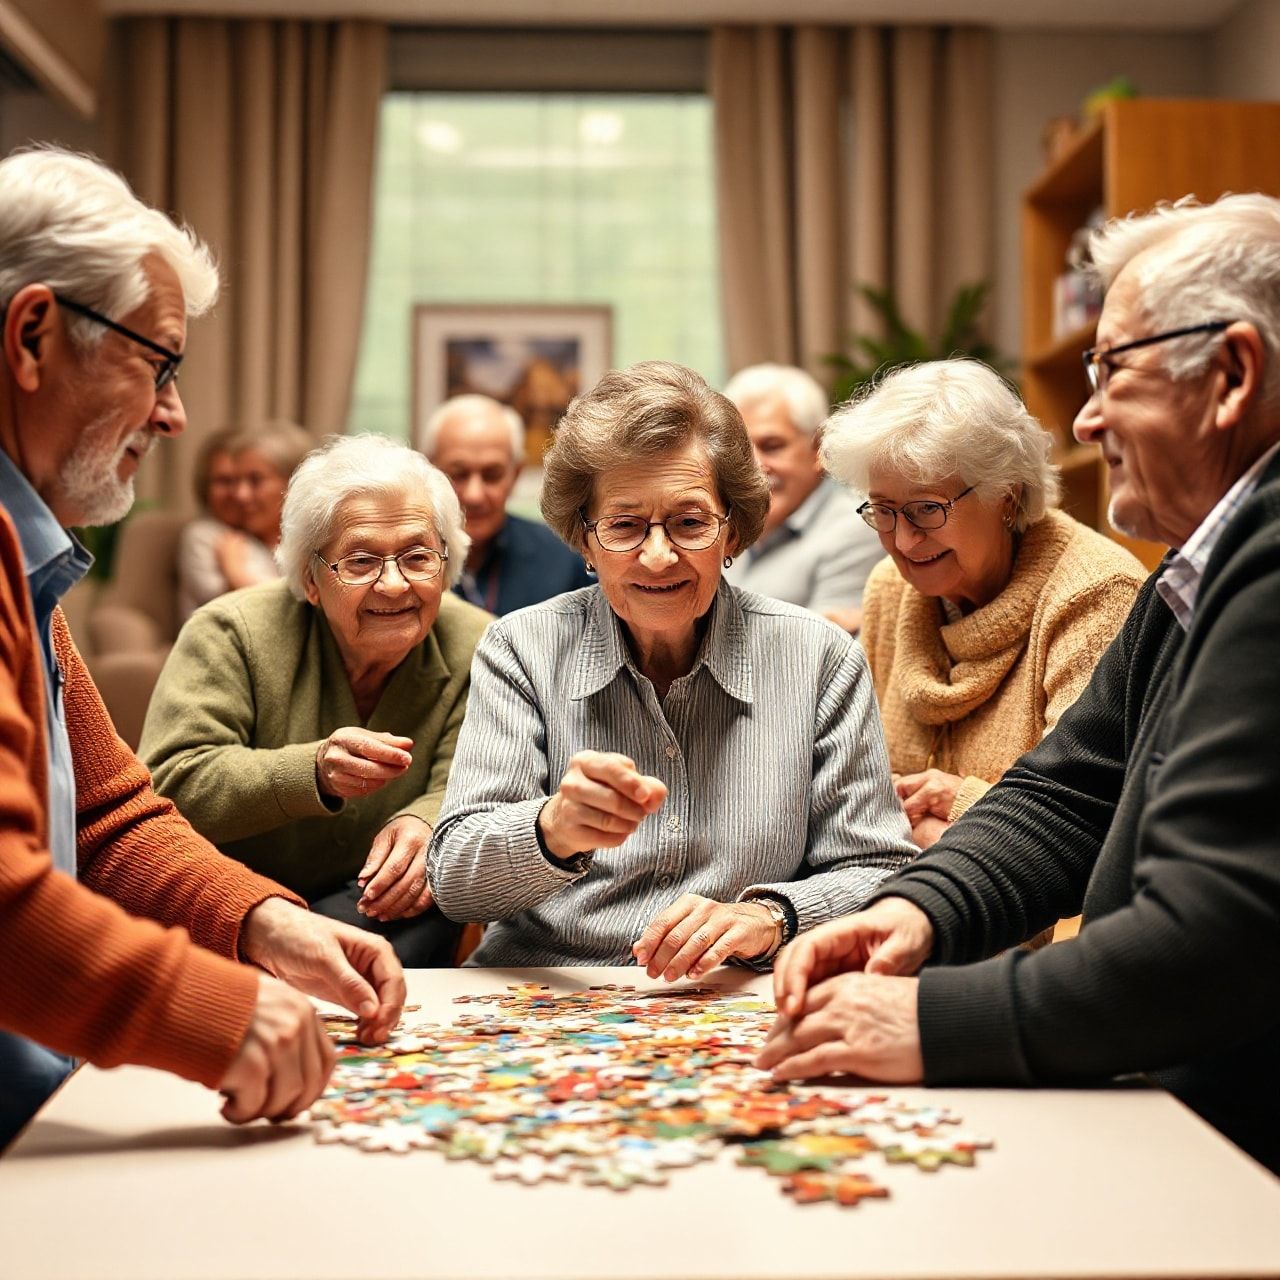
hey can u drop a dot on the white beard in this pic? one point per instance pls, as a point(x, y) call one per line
point(90, 477)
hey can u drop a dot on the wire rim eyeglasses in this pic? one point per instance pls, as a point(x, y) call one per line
point(688, 530)
point(363, 568)
point(922, 513)
point(1097, 367)
point(165, 373)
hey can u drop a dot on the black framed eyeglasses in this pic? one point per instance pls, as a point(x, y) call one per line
point(1097, 360)
point(689, 530)
point(363, 568)
point(166, 372)
point(923, 513)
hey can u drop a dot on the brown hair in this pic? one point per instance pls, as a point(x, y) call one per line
point(644, 411)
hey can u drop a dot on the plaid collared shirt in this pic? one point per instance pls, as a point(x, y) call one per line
point(1179, 584)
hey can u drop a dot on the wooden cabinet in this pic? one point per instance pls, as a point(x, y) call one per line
point(1140, 152)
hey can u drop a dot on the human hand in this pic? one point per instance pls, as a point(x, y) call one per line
point(849, 619)
point(325, 958)
point(353, 761)
point(859, 1023)
point(394, 875)
point(284, 1060)
point(601, 800)
point(928, 831)
point(927, 794)
point(231, 554)
point(695, 934)
point(892, 937)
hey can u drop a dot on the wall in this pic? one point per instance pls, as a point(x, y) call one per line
point(36, 117)
point(1039, 75)
point(1245, 53)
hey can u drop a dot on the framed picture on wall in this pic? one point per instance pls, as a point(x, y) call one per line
point(534, 358)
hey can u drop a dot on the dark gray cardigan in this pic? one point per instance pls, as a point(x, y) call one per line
point(1154, 807)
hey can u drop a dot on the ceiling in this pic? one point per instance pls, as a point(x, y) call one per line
point(1131, 15)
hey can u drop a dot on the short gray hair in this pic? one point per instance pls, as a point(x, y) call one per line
point(69, 222)
point(347, 467)
point(472, 406)
point(1218, 261)
point(645, 411)
point(807, 403)
point(928, 422)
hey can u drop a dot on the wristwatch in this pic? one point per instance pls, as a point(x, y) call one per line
point(778, 914)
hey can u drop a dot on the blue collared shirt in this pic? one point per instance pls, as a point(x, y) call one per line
point(771, 749)
point(1179, 584)
point(54, 561)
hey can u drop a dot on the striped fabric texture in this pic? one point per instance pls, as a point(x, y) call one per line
point(771, 749)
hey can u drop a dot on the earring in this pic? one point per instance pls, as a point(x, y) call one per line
point(591, 569)
point(728, 562)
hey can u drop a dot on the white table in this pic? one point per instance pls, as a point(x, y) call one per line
point(132, 1174)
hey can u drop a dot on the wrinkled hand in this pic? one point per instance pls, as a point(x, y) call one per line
point(284, 1060)
point(333, 961)
point(928, 831)
point(927, 795)
point(860, 1023)
point(892, 937)
point(694, 934)
point(355, 761)
point(601, 800)
point(849, 619)
point(394, 875)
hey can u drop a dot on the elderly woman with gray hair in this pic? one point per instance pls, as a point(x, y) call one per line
point(992, 610)
point(307, 727)
point(662, 768)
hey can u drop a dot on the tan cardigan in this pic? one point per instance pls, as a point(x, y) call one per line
point(969, 697)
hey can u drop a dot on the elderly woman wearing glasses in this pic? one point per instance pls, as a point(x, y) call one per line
point(307, 726)
point(992, 610)
point(662, 768)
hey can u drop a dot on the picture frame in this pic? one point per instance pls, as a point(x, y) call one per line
point(533, 357)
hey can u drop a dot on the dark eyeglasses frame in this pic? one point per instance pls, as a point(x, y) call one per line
point(590, 527)
point(165, 374)
point(332, 566)
point(902, 511)
point(1095, 359)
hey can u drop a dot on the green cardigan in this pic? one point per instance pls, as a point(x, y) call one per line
point(252, 687)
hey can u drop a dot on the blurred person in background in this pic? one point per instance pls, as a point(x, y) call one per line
point(513, 562)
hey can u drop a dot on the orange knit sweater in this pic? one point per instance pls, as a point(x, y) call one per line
point(969, 697)
point(78, 971)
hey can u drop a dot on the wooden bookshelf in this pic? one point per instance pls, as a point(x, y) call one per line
point(1141, 151)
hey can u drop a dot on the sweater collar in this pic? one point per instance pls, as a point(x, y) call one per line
point(949, 669)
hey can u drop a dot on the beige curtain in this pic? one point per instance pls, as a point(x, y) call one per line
point(260, 134)
point(844, 157)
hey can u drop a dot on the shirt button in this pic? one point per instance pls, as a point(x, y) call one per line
point(664, 882)
point(673, 823)
point(671, 753)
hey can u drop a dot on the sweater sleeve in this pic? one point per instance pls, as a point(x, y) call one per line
point(198, 733)
point(1189, 964)
point(83, 974)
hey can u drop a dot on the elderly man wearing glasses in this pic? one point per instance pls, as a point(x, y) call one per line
point(662, 767)
point(1152, 803)
point(992, 610)
point(307, 727)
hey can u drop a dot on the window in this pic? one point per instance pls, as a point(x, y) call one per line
point(541, 198)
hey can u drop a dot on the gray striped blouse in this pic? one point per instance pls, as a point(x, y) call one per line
point(771, 749)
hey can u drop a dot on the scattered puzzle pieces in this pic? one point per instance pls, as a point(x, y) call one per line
point(616, 1088)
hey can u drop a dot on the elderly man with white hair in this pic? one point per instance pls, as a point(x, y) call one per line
point(815, 550)
point(111, 907)
point(513, 562)
point(1151, 804)
point(307, 727)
